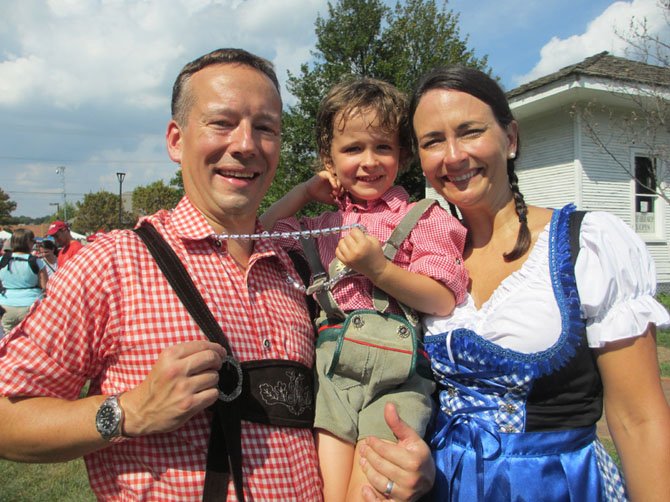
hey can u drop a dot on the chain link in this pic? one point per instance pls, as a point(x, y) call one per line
point(296, 235)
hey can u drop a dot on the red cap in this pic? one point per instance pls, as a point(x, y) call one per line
point(56, 226)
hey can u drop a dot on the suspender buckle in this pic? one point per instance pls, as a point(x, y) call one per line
point(230, 369)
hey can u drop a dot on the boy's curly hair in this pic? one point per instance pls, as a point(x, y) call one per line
point(354, 95)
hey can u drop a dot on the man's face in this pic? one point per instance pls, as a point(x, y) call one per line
point(61, 237)
point(229, 147)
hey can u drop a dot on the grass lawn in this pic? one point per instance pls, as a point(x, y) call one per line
point(44, 482)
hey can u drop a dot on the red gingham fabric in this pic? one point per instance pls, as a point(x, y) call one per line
point(108, 314)
point(434, 247)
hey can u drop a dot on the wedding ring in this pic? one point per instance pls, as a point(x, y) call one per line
point(389, 488)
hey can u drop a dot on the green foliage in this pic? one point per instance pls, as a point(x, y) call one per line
point(177, 182)
point(61, 481)
point(100, 211)
point(366, 38)
point(663, 338)
point(664, 299)
point(6, 207)
point(611, 449)
point(157, 195)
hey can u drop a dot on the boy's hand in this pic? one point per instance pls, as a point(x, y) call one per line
point(363, 253)
point(323, 187)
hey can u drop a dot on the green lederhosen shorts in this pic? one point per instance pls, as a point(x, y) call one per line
point(364, 362)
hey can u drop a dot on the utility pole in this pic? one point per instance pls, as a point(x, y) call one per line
point(61, 170)
point(120, 177)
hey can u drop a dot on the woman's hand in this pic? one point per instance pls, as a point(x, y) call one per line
point(407, 463)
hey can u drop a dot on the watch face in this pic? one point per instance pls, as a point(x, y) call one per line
point(107, 419)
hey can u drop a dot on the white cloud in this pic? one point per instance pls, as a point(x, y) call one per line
point(86, 83)
point(70, 52)
point(605, 33)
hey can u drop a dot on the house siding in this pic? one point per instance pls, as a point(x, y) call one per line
point(546, 167)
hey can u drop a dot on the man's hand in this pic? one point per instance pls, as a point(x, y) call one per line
point(407, 463)
point(183, 382)
point(363, 253)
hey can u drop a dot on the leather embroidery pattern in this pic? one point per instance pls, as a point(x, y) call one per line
point(294, 394)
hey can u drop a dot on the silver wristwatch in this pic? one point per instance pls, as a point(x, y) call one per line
point(109, 419)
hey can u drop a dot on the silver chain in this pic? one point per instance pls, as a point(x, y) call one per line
point(296, 235)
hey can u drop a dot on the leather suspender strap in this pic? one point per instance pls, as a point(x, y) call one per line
point(324, 297)
point(269, 391)
point(398, 236)
point(224, 454)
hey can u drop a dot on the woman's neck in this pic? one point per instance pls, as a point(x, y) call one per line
point(486, 223)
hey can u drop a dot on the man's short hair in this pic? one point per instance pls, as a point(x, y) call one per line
point(183, 99)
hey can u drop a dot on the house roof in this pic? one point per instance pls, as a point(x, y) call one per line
point(602, 65)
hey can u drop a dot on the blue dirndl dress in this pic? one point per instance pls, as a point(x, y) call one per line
point(518, 426)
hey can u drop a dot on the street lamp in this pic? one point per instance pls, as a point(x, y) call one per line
point(120, 177)
point(57, 204)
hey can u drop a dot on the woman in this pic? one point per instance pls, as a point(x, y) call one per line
point(522, 366)
point(23, 279)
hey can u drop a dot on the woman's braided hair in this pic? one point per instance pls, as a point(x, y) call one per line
point(483, 87)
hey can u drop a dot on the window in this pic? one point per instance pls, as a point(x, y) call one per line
point(646, 213)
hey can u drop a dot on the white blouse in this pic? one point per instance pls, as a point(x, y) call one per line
point(616, 280)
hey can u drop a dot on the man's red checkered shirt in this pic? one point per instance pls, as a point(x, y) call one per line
point(108, 314)
point(434, 247)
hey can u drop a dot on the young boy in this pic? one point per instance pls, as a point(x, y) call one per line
point(364, 142)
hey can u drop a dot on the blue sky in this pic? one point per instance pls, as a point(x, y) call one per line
point(85, 84)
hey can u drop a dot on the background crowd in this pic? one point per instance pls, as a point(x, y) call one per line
point(27, 263)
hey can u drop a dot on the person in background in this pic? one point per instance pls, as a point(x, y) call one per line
point(67, 246)
point(524, 365)
point(114, 319)
point(23, 279)
point(46, 249)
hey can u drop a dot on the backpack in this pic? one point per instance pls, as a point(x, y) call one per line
point(32, 261)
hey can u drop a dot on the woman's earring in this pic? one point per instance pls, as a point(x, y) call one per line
point(512, 155)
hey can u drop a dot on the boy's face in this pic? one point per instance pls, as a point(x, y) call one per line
point(364, 158)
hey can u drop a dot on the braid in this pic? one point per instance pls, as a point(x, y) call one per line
point(523, 238)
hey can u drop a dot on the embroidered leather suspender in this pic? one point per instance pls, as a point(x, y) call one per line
point(248, 390)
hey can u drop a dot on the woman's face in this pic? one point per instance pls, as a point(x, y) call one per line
point(463, 149)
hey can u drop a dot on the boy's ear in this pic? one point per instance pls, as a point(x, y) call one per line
point(327, 163)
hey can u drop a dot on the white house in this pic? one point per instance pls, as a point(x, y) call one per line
point(580, 143)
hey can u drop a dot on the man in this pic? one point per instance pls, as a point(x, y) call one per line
point(60, 231)
point(115, 320)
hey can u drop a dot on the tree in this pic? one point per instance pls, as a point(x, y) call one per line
point(366, 38)
point(177, 182)
point(645, 122)
point(6, 208)
point(150, 198)
point(100, 210)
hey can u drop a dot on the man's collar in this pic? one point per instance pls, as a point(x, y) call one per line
point(190, 224)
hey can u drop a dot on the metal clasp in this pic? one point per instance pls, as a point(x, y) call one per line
point(232, 363)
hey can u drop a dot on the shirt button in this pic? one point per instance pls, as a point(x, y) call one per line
point(266, 343)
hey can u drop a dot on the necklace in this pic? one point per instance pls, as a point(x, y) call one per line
point(296, 235)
